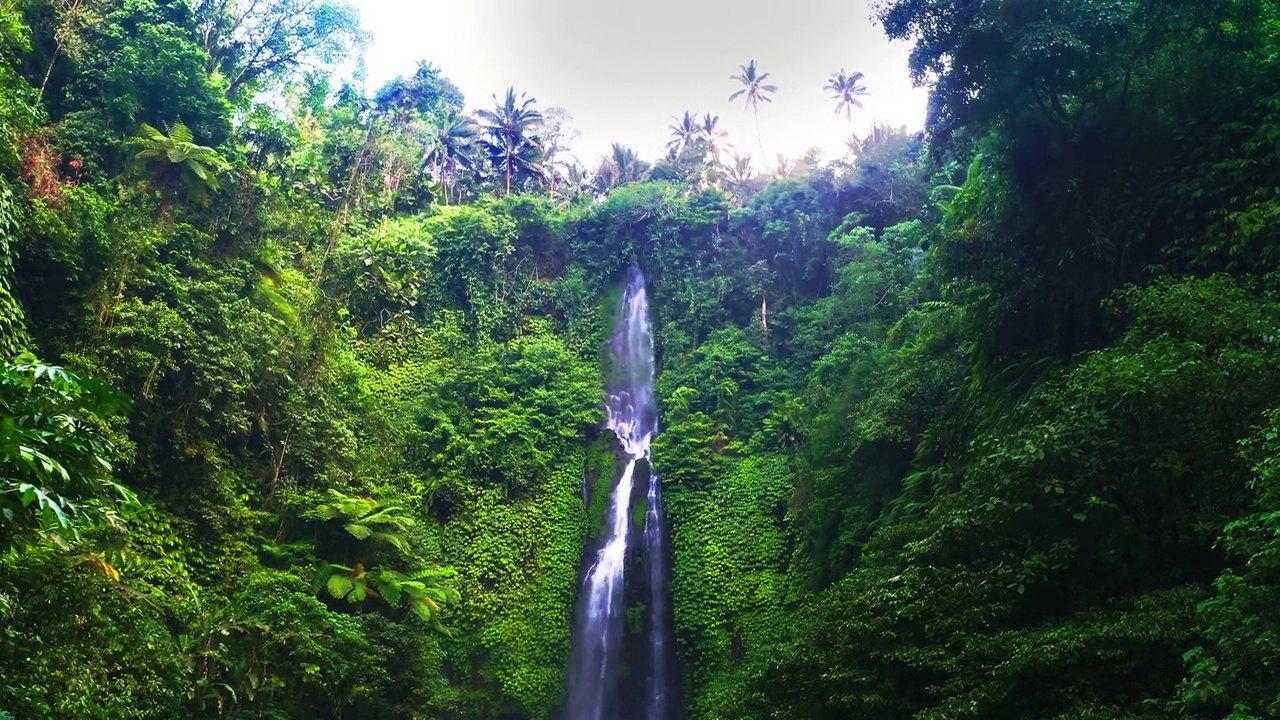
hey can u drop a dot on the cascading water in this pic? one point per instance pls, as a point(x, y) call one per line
point(615, 672)
point(659, 622)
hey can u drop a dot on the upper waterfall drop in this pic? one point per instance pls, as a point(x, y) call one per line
point(630, 409)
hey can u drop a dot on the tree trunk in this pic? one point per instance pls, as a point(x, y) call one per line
point(755, 112)
point(57, 47)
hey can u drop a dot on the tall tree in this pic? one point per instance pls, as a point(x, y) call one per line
point(845, 90)
point(427, 91)
point(510, 142)
point(72, 17)
point(130, 63)
point(755, 91)
point(249, 41)
point(715, 138)
point(621, 167)
point(452, 150)
point(740, 169)
point(684, 132)
point(556, 134)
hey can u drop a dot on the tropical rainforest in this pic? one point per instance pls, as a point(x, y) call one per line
point(302, 396)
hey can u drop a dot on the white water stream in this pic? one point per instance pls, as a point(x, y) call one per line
point(595, 691)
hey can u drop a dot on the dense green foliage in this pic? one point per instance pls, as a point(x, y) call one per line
point(300, 405)
point(351, 425)
point(1030, 432)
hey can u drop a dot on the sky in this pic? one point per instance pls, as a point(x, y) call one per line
point(625, 68)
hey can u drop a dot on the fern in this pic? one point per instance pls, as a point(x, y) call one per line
point(424, 592)
point(358, 531)
point(363, 519)
point(168, 160)
point(340, 585)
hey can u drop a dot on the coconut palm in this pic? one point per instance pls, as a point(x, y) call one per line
point(739, 171)
point(622, 167)
point(684, 132)
point(510, 142)
point(630, 167)
point(715, 138)
point(737, 176)
point(176, 159)
point(846, 90)
point(578, 181)
point(755, 91)
point(452, 150)
point(785, 166)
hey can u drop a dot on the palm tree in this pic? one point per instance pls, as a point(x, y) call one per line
point(176, 159)
point(755, 91)
point(452, 149)
point(738, 176)
point(846, 90)
point(510, 144)
point(713, 136)
point(684, 132)
point(630, 167)
point(785, 166)
point(578, 178)
point(622, 167)
point(740, 171)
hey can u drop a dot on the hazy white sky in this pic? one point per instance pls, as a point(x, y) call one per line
point(623, 68)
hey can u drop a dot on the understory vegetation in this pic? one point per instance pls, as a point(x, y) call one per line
point(302, 395)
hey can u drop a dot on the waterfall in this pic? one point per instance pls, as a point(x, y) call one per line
point(615, 672)
point(659, 622)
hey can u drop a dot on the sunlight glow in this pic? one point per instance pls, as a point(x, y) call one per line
point(623, 70)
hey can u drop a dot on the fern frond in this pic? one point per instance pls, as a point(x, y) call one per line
point(151, 133)
point(392, 539)
point(440, 572)
point(389, 516)
point(358, 593)
point(391, 592)
point(340, 585)
point(358, 530)
point(179, 132)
